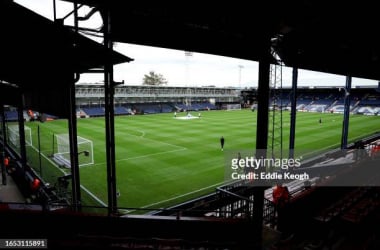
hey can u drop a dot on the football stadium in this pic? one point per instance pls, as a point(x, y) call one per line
point(163, 166)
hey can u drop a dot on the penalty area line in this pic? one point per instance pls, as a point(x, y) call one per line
point(84, 189)
point(143, 156)
point(93, 196)
point(179, 196)
point(148, 155)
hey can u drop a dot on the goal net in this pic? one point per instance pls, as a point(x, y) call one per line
point(233, 106)
point(62, 155)
point(14, 135)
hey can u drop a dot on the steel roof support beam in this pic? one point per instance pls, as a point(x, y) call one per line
point(21, 127)
point(109, 116)
point(4, 142)
point(293, 113)
point(261, 144)
point(75, 175)
point(346, 116)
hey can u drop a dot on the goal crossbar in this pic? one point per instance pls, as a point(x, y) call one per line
point(62, 155)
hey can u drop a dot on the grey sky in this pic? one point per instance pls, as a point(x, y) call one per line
point(180, 70)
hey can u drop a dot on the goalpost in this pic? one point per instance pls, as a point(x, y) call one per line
point(236, 106)
point(14, 135)
point(62, 155)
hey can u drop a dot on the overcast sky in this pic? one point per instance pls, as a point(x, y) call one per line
point(181, 70)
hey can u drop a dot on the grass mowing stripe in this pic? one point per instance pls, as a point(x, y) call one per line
point(179, 196)
point(158, 168)
point(83, 187)
point(142, 156)
point(93, 196)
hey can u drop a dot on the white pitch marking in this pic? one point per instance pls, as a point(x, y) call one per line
point(179, 196)
point(85, 189)
point(143, 156)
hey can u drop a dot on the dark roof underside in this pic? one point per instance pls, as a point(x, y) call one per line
point(39, 58)
point(314, 35)
point(37, 52)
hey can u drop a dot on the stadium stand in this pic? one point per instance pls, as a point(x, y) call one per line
point(158, 99)
point(235, 202)
point(94, 111)
point(303, 43)
point(122, 111)
point(11, 115)
point(364, 100)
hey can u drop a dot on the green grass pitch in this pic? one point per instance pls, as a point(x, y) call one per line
point(161, 161)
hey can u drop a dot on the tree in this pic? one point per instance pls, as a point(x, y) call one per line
point(154, 79)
